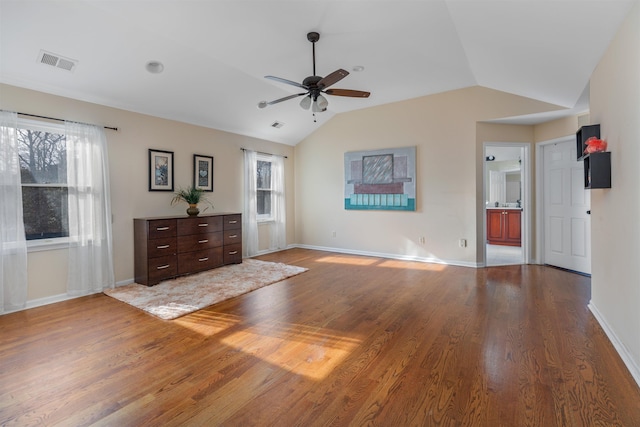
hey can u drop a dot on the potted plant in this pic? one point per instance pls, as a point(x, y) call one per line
point(192, 196)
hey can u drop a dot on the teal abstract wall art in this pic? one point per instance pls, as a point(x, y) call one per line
point(380, 179)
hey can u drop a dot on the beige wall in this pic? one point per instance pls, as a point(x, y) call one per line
point(128, 155)
point(554, 129)
point(615, 219)
point(449, 168)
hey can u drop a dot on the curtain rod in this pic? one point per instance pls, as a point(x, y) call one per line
point(62, 120)
point(262, 152)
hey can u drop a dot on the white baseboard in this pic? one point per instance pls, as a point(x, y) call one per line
point(39, 302)
point(391, 256)
point(125, 282)
point(48, 300)
point(271, 251)
point(626, 357)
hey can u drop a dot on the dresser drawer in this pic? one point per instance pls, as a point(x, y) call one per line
point(199, 260)
point(231, 237)
point(196, 242)
point(162, 268)
point(161, 247)
point(162, 228)
point(232, 222)
point(199, 225)
point(233, 254)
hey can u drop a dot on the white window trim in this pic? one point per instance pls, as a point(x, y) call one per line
point(40, 245)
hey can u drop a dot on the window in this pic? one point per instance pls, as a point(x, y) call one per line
point(43, 171)
point(263, 189)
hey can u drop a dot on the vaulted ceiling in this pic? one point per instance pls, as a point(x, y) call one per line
point(216, 54)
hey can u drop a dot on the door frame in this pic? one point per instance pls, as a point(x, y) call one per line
point(525, 172)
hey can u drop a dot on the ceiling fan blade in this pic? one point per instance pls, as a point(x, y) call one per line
point(347, 92)
point(263, 104)
point(289, 82)
point(332, 78)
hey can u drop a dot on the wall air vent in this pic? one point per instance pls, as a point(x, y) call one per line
point(277, 124)
point(57, 61)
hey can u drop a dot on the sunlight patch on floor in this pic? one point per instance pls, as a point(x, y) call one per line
point(310, 352)
point(423, 266)
point(388, 263)
point(207, 323)
point(336, 259)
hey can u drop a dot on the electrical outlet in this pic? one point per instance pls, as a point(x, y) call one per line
point(422, 240)
point(462, 243)
point(333, 234)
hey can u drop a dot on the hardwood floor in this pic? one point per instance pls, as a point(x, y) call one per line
point(353, 341)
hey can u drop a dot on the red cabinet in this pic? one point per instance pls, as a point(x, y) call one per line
point(503, 227)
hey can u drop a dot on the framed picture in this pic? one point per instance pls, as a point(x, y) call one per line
point(203, 172)
point(160, 170)
point(380, 179)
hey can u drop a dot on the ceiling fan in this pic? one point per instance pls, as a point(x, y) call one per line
point(315, 86)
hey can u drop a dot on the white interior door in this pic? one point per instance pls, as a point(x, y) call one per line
point(496, 184)
point(567, 227)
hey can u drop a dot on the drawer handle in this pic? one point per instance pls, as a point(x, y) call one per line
point(233, 222)
point(203, 225)
point(162, 247)
point(203, 241)
point(203, 259)
point(162, 228)
point(233, 252)
point(162, 267)
point(233, 236)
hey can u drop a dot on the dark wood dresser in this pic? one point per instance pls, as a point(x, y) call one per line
point(166, 247)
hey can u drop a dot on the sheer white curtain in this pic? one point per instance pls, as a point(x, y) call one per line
point(250, 209)
point(278, 239)
point(90, 241)
point(13, 246)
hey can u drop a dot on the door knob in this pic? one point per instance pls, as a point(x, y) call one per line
point(589, 212)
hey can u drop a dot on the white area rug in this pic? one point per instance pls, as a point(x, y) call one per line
point(174, 298)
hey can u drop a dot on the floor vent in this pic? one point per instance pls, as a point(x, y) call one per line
point(57, 61)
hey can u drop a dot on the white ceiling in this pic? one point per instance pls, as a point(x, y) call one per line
point(216, 53)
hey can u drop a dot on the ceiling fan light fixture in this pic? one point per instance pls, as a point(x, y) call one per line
point(306, 102)
point(320, 104)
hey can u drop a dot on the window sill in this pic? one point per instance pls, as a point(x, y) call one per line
point(266, 220)
point(47, 244)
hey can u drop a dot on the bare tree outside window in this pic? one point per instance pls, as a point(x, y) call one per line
point(43, 170)
point(263, 187)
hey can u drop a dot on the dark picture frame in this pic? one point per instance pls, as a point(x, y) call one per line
point(160, 170)
point(203, 172)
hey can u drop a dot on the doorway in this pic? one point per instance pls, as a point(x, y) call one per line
point(506, 203)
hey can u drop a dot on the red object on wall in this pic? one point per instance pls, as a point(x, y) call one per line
point(595, 145)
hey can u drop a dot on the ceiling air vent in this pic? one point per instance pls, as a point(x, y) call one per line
point(57, 61)
point(277, 124)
